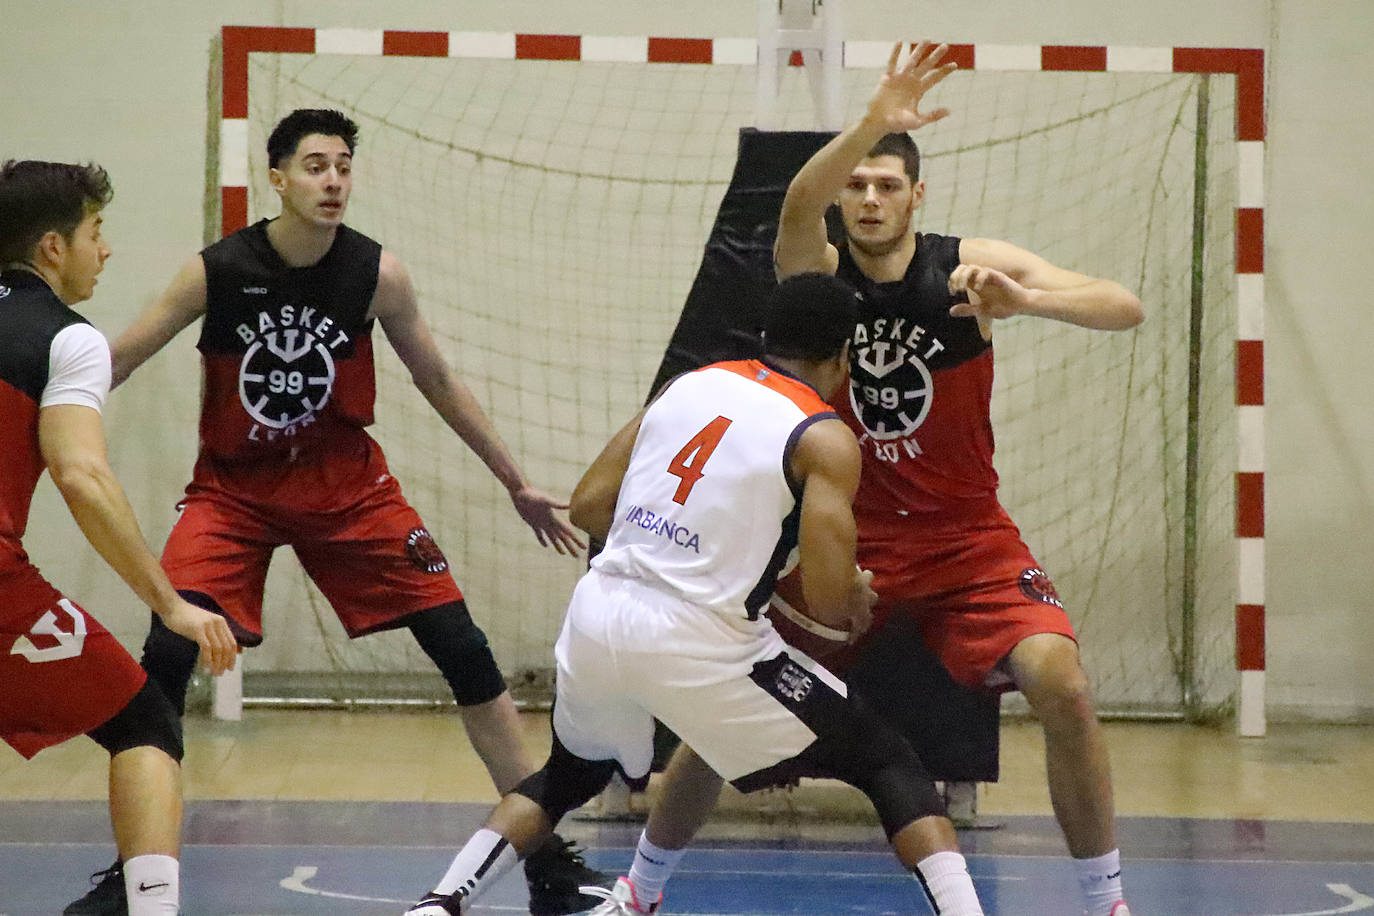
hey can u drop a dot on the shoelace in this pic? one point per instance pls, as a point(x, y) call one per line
point(571, 851)
point(593, 890)
point(623, 906)
point(113, 871)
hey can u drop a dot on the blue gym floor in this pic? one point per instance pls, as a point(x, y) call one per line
point(260, 858)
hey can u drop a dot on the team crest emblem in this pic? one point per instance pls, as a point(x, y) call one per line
point(890, 386)
point(424, 553)
point(286, 377)
point(1037, 586)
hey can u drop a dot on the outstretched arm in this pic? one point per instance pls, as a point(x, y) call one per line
point(394, 305)
point(180, 304)
point(72, 440)
point(894, 107)
point(837, 592)
point(1002, 280)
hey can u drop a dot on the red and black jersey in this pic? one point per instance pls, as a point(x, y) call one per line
point(920, 391)
point(31, 315)
point(287, 350)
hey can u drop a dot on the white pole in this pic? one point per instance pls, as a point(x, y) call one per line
point(227, 694)
point(815, 28)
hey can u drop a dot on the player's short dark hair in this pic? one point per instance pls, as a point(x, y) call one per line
point(809, 316)
point(901, 145)
point(291, 130)
point(40, 197)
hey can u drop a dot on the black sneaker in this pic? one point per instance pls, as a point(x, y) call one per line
point(554, 872)
point(437, 904)
point(105, 898)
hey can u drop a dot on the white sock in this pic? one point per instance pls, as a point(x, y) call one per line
point(152, 885)
point(1100, 879)
point(652, 867)
point(485, 857)
point(944, 877)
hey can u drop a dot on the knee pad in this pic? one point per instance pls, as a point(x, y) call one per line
point(170, 660)
point(565, 782)
point(458, 647)
point(879, 762)
point(147, 720)
point(901, 796)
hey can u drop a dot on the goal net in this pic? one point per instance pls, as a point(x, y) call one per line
point(553, 214)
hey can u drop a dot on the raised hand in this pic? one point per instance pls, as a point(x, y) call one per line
point(537, 509)
point(991, 293)
point(897, 100)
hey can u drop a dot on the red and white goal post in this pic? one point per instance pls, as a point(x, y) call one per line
point(551, 193)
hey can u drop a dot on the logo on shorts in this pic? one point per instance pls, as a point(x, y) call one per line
point(424, 553)
point(61, 644)
point(4, 291)
point(1037, 586)
point(794, 682)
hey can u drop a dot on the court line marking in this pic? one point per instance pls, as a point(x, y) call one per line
point(303, 873)
point(1358, 902)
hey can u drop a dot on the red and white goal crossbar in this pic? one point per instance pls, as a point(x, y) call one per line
point(1246, 64)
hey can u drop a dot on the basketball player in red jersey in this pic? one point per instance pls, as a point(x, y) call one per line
point(930, 525)
point(700, 501)
point(61, 673)
point(285, 459)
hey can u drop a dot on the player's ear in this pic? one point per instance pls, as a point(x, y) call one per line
point(918, 194)
point(50, 247)
point(277, 178)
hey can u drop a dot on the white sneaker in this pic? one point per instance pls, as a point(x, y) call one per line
point(621, 900)
point(1120, 909)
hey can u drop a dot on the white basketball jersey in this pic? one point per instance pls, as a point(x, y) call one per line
point(706, 509)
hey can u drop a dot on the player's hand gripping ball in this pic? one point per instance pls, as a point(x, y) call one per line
point(787, 610)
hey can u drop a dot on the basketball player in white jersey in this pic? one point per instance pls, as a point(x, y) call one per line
point(700, 501)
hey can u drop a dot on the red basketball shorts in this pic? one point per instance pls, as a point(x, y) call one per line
point(61, 672)
point(354, 533)
point(975, 590)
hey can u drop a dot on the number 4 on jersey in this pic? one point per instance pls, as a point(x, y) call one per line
point(687, 464)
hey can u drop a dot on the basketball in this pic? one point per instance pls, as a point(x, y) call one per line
point(788, 613)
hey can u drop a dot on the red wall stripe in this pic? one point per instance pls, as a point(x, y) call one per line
point(1064, 57)
point(680, 50)
point(233, 209)
point(548, 47)
point(415, 44)
point(1249, 637)
point(237, 42)
point(1249, 240)
point(1248, 66)
point(961, 55)
point(1249, 504)
point(1250, 373)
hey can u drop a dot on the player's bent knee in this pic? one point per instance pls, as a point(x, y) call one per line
point(147, 720)
point(565, 782)
point(887, 770)
point(901, 796)
point(458, 647)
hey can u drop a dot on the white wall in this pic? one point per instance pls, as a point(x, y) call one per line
point(126, 84)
